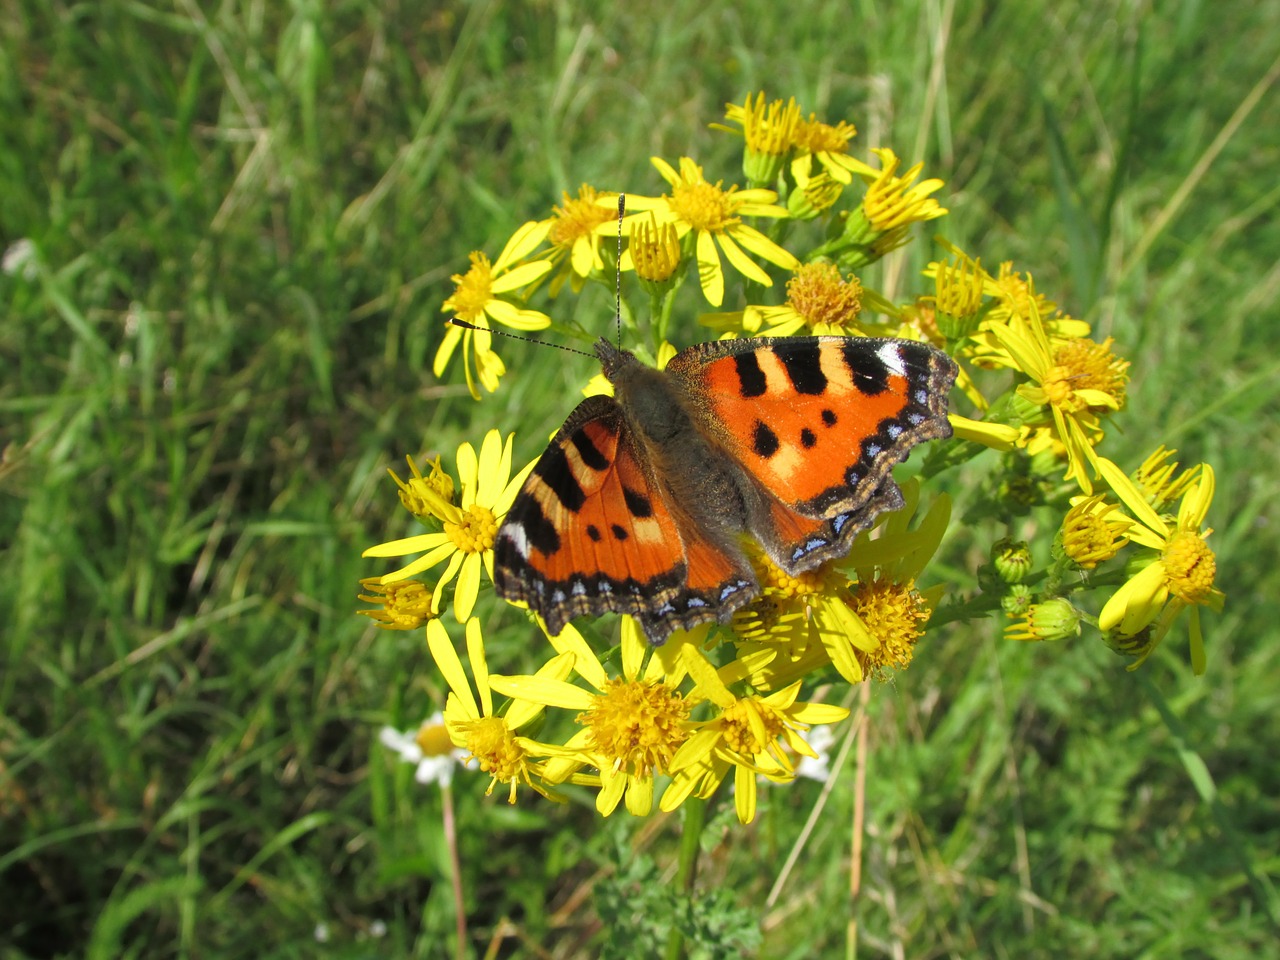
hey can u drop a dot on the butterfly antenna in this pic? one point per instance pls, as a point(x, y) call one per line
point(617, 273)
point(515, 336)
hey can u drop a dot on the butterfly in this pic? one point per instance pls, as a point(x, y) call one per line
point(639, 503)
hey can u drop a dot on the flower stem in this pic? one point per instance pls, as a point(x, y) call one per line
point(455, 868)
point(695, 818)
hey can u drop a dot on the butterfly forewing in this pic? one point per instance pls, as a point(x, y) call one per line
point(820, 421)
point(592, 532)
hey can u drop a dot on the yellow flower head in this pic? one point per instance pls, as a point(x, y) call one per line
point(1093, 531)
point(469, 527)
point(829, 145)
point(1181, 571)
point(477, 299)
point(753, 735)
point(574, 234)
point(959, 298)
point(714, 216)
point(1054, 619)
point(404, 605)
point(1072, 382)
point(654, 251)
point(892, 201)
point(895, 614)
point(819, 301)
point(419, 493)
point(1160, 481)
point(493, 741)
point(630, 727)
point(768, 132)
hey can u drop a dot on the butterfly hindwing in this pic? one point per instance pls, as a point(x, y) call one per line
point(593, 531)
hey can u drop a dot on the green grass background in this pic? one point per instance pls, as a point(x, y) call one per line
point(245, 215)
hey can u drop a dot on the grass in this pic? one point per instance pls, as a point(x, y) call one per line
point(244, 219)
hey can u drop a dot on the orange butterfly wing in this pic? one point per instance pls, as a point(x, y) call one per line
point(593, 531)
point(817, 423)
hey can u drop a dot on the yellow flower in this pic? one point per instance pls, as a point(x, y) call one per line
point(418, 493)
point(469, 528)
point(797, 625)
point(767, 131)
point(814, 197)
point(573, 233)
point(714, 216)
point(829, 145)
point(894, 202)
point(1181, 572)
point(958, 297)
point(476, 299)
point(1072, 382)
point(1160, 481)
point(490, 739)
point(631, 725)
point(819, 301)
point(753, 735)
point(1093, 531)
point(405, 605)
point(885, 602)
point(654, 251)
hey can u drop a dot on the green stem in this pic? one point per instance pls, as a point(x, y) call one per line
point(695, 818)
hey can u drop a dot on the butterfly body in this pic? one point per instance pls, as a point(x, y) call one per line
point(641, 500)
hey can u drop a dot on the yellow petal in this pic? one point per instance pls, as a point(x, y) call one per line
point(521, 276)
point(509, 315)
point(544, 690)
point(639, 795)
point(1195, 505)
point(586, 663)
point(406, 546)
point(479, 665)
point(710, 272)
point(741, 262)
point(468, 471)
point(490, 475)
point(1137, 602)
point(705, 677)
point(503, 503)
point(468, 588)
point(744, 794)
point(755, 241)
point(612, 785)
point(665, 170)
point(1132, 498)
point(521, 712)
point(446, 659)
point(452, 336)
point(523, 242)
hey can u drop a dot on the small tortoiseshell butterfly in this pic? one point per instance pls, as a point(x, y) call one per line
point(638, 504)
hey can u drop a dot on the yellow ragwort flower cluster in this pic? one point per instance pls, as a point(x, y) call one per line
point(646, 726)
